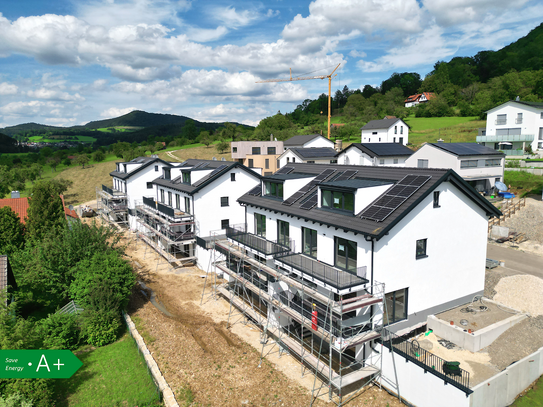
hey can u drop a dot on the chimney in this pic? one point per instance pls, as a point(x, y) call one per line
point(15, 194)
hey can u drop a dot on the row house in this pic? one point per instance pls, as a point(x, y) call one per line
point(390, 154)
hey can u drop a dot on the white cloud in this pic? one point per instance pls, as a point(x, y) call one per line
point(8, 89)
point(235, 19)
point(51, 94)
point(116, 112)
point(31, 108)
point(234, 113)
point(357, 54)
point(206, 35)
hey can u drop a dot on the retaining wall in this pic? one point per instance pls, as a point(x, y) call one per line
point(535, 171)
point(167, 394)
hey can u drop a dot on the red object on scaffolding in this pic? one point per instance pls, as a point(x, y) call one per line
point(314, 316)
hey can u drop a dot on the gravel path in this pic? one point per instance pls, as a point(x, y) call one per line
point(528, 220)
point(522, 292)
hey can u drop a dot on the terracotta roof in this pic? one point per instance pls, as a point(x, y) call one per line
point(17, 205)
point(67, 211)
point(414, 98)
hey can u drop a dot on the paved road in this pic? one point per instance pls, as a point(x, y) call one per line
point(526, 263)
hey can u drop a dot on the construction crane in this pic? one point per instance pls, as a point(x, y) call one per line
point(303, 78)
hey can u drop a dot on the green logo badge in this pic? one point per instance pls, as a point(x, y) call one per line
point(38, 364)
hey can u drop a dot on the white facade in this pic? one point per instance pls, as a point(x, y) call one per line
point(398, 132)
point(513, 126)
point(313, 142)
point(353, 156)
point(289, 156)
point(480, 171)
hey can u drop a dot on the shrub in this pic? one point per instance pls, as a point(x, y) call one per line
point(15, 400)
point(100, 328)
point(512, 163)
point(59, 331)
point(40, 391)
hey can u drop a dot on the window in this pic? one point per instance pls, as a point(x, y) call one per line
point(149, 185)
point(502, 119)
point(271, 150)
point(288, 159)
point(177, 201)
point(422, 163)
point(421, 249)
point(337, 200)
point(468, 163)
point(251, 163)
point(311, 162)
point(293, 159)
point(260, 224)
point(393, 139)
point(186, 178)
point(396, 306)
point(162, 195)
point(187, 204)
point(267, 164)
point(224, 201)
point(436, 199)
point(333, 161)
point(345, 254)
point(283, 232)
point(519, 118)
point(374, 132)
point(395, 161)
point(156, 168)
point(401, 140)
point(273, 189)
point(401, 129)
point(225, 223)
point(379, 139)
point(395, 129)
point(234, 150)
point(167, 174)
point(382, 161)
point(169, 198)
point(232, 176)
point(309, 241)
point(495, 162)
point(256, 150)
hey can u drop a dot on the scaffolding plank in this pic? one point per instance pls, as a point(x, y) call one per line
point(348, 379)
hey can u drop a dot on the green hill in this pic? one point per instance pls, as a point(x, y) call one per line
point(138, 118)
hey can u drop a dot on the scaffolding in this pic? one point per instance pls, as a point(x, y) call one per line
point(112, 206)
point(168, 231)
point(326, 318)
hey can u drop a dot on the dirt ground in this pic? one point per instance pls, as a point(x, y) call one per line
point(196, 350)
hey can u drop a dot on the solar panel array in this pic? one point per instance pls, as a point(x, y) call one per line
point(346, 175)
point(285, 170)
point(387, 203)
point(256, 191)
point(305, 189)
point(311, 201)
point(200, 165)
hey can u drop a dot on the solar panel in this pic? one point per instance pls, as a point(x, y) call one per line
point(387, 203)
point(200, 165)
point(310, 202)
point(321, 177)
point(285, 170)
point(219, 168)
point(346, 175)
point(256, 191)
point(336, 176)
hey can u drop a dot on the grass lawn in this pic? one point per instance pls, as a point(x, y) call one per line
point(113, 375)
point(450, 129)
point(524, 182)
point(533, 398)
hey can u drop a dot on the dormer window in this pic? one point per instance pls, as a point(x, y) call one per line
point(273, 189)
point(186, 178)
point(342, 200)
point(167, 174)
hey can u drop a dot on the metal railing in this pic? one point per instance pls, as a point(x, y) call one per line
point(149, 202)
point(108, 190)
point(166, 210)
point(411, 350)
point(504, 137)
point(331, 275)
point(267, 247)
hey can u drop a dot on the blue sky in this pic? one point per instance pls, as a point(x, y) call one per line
point(68, 62)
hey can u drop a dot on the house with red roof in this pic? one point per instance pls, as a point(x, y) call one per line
point(20, 207)
point(423, 97)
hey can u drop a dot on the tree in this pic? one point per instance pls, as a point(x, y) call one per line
point(129, 155)
point(222, 146)
point(45, 210)
point(98, 156)
point(82, 159)
point(53, 162)
point(12, 231)
point(205, 138)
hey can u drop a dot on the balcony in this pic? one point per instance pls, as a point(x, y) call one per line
point(321, 273)
point(509, 137)
point(171, 213)
point(113, 193)
point(256, 244)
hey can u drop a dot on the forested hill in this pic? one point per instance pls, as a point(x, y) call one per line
point(138, 118)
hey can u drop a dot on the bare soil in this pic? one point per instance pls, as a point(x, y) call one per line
point(196, 349)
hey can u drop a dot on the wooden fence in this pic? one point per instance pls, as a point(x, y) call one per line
point(511, 209)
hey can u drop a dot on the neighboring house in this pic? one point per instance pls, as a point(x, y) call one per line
point(17, 205)
point(190, 201)
point(308, 141)
point(423, 97)
point(132, 181)
point(390, 154)
point(7, 279)
point(69, 212)
point(386, 131)
point(315, 155)
point(513, 126)
point(257, 154)
point(330, 254)
point(480, 166)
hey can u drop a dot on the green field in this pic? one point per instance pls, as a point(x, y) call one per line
point(42, 139)
point(113, 375)
point(118, 128)
point(450, 129)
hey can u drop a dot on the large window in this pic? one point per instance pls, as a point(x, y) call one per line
point(283, 232)
point(271, 150)
point(187, 204)
point(337, 200)
point(251, 163)
point(177, 201)
point(273, 189)
point(396, 306)
point(421, 249)
point(309, 241)
point(186, 178)
point(468, 163)
point(225, 223)
point(162, 195)
point(495, 162)
point(422, 163)
point(345, 256)
point(260, 224)
point(169, 198)
point(256, 150)
point(502, 119)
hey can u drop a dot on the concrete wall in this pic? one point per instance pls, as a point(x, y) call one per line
point(259, 161)
point(535, 171)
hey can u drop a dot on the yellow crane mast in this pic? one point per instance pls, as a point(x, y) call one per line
point(303, 78)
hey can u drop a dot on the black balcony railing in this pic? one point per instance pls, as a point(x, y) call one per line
point(108, 190)
point(337, 278)
point(166, 210)
point(449, 371)
point(255, 242)
point(149, 202)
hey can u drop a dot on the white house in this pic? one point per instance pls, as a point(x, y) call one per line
point(480, 166)
point(190, 201)
point(389, 154)
point(423, 97)
point(131, 181)
point(314, 155)
point(330, 254)
point(308, 141)
point(513, 126)
point(386, 131)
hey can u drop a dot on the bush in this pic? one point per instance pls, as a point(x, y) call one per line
point(512, 163)
point(40, 391)
point(100, 328)
point(59, 331)
point(15, 400)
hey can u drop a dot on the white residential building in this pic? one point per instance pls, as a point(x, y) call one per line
point(381, 154)
point(308, 141)
point(513, 126)
point(314, 155)
point(386, 131)
point(480, 166)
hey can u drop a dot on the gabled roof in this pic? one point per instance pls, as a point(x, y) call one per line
point(301, 140)
point(17, 205)
point(381, 149)
point(356, 224)
point(414, 98)
point(536, 105)
point(177, 183)
point(146, 162)
point(68, 213)
point(313, 152)
point(466, 149)
point(382, 124)
point(6, 274)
